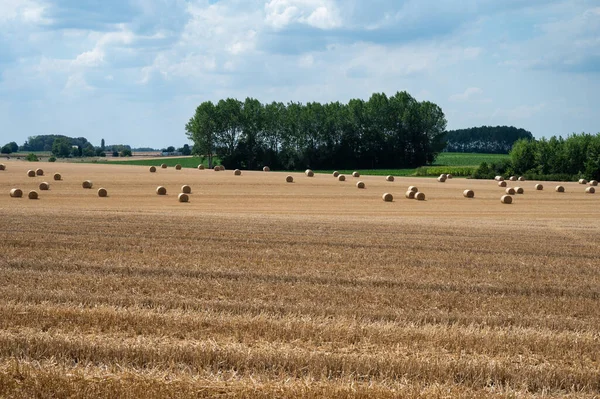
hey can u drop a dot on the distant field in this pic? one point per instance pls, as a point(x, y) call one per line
point(185, 162)
point(467, 159)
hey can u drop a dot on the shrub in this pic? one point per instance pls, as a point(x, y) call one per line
point(31, 157)
point(52, 159)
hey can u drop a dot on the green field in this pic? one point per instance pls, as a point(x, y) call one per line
point(185, 162)
point(467, 159)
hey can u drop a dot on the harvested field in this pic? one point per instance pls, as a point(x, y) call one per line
point(259, 288)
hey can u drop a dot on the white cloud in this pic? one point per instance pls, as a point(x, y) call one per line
point(321, 14)
point(28, 11)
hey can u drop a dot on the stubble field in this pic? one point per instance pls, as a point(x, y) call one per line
point(259, 288)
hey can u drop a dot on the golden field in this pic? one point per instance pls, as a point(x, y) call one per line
point(260, 288)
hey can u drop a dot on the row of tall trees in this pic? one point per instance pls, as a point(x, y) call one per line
point(485, 139)
point(383, 132)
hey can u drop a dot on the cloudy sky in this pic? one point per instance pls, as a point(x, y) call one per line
point(133, 71)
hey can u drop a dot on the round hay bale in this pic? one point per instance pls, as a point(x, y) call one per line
point(336, 173)
point(413, 189)
point(183, 197)
point(163, 165)
point(222, 168)
point(521, 178)
point(2, 166)
point(593, 183)
point(510, 191)
point(57, 176)
point(360, 184)
point(559, 189)
point(266, 169)
point(539, 187)
point(44, 186)
point(160, 190)
point(502, 183)
point(289, 179)
point(87, 184)
point(186, 189)
point(201, 167)
point(513, 178)
point(387, 197)
point(341, 178)
point(506, 199)
point(389, 178)
point(39, 172)
point(31, 173)
point(499, 178)
point(237, 172)
point(448, 176)
point(16, 193)
point(355, 174)
point(410, 194)
point(102, 192)
point(519, 190)
point(33, 195)
point(468, 194)
point(420, 196)
point(309, 173)
point(178, 167)
point(582, 181)
point(152, 169)
point(217, 168)
point(590, 190)
point(442, 178)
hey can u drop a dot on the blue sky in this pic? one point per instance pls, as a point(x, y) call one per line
point(134, 71)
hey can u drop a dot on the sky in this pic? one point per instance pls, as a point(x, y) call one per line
point(133, 71)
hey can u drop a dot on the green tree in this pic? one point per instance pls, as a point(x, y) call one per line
point(61, 147)
point(201, 129)
point(6, 149)
point(89, 150)
point(125, 152)
point(185, 150)
point(102, 145)
point(523, 156)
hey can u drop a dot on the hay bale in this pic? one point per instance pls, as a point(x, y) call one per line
point(87, 184)
point(2, 166)
point(593, 183)
point(539, 187)
point(39, 172)
point(519, 190)
point(410, 194)
point(57, 176)
point(31, 173)
point(387, 197)
point(559, 189)
point(102, 192)
point(336, 173)
point(178, 167)
point(33, 195)
point(355, 174)
point(16, 193)
point(186, 189)
point(419, 196)
point(360, 184)
point(160, 190)
point(583, 181)
point(44, 186)
point(237, 172)
point(183, 197)
point(217, 168)
point(389, 178)
point(289, 179)
point(201, 167)
point(266, 169)
point(222, 168)
point(163, 165)
point(442, 178)
point(448, 176)
point(152, 169)
point(510, 191)
point(309, 173)
point(499, 178)
point(513, 178)
point(502, 183)
point(506, 199)
point(468, 194)
point(413, 189)
point(341, 178)
point(521, 178)
point(590, 190)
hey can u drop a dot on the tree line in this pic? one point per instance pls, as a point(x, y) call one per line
point(485, 139)
point(382, 132)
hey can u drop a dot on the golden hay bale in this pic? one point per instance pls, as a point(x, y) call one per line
point(2, 166)
point(355, 174)
point(178, 167)
point(266, 169)
point(57, 176)
point(16, 193)
point(582, 181)
point(499, 178)
point(360, 184)
point(590, 190)
point(559, 189)
point(502, 183)
point(237, 172)
point(410, 194)
point(442, 178)
point(217, 168)
point(413, 189)
point(420, 196)
point(506, 199)
point(44, 186)
point(521, 178)
point(389, 178)
point(510, 191)
point(201, 167)
point(31, 173)
point(341, 178)
point(539, 187)
point(309, 173)
point(183, 197)
point(102, 192)
point(336, 173)
point(448, 176)
point(163, 165)
point(222, 168)
point(186, 189)
point(468, 193)
point(387, 197)
point(289, 179)
point(593, 183)
point(152, 169)
point(33, 194)
point(39, 172)
point(160, 190)
point(87, 184)
point(519, 190)
point(513, 178)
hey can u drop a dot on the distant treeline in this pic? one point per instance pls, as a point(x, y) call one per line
point(485, 139)
point(383, 132)
point(45, 142)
